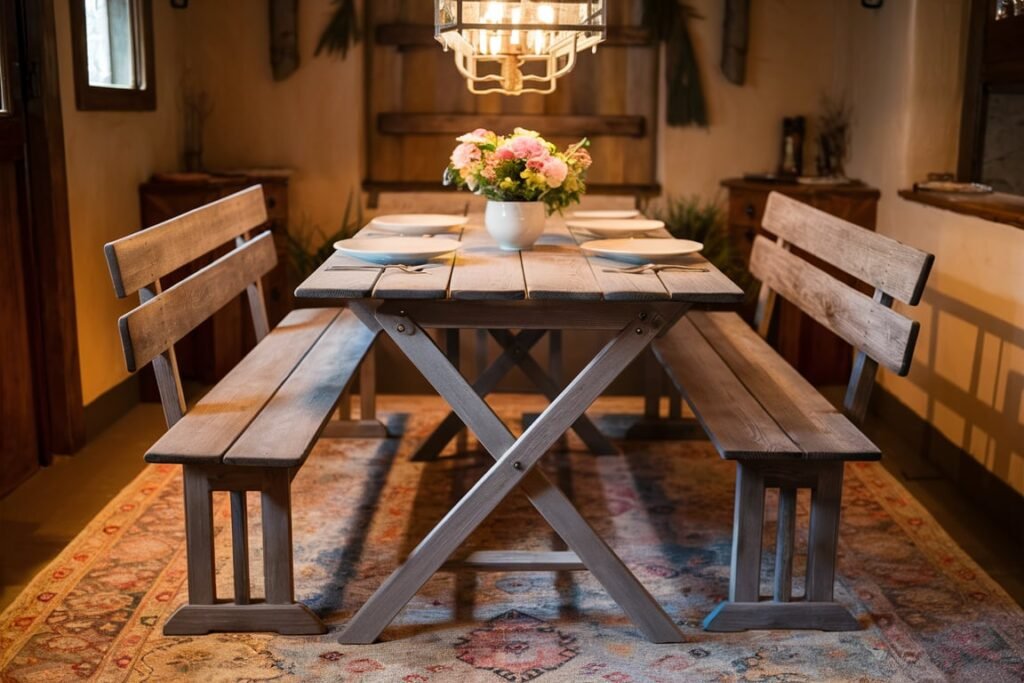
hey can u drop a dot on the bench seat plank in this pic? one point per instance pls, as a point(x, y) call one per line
point(809, 420)
point(284, 432)
point(207, 431)
point(736, 423)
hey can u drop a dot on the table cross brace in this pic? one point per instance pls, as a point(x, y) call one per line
point(514, 467)
point(484, 384)
point(515, 351)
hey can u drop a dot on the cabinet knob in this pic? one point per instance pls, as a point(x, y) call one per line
point(749, 210)
point(750, 234)
point(271, 202)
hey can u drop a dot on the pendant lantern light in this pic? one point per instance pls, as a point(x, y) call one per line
point(514, 47)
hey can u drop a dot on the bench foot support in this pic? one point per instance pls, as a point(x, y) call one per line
point(743, 616)
point(292, 620)
point(205, 612)
point(744, 608)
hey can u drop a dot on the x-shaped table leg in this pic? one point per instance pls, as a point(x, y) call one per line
point(597, 442)
point(514, 467)
point(516, 351)
point(484, 384)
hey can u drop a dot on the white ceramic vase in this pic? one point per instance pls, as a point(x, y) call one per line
point(515, 225)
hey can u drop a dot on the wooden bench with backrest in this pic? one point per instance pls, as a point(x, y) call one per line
point(254, 429)
point(781, 432)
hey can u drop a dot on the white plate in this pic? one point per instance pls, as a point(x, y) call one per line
point(418, 223)
point(619, 213)
point(612, 227)
point(642, 250)
point(954, 188)
point(410, 251)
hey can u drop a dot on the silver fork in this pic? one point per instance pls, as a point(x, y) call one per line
point(412, 270)
point(656, 268)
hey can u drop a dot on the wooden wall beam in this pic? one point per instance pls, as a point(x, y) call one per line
point(552, 125)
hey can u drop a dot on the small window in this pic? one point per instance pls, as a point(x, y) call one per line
point(1009, 8)
point(113, 41)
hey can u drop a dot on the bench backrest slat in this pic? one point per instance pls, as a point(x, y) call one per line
point(157, 324)
point(886, 264)
point(144, 257)
point(881, 335)
point(880, 332)
point(139, 261)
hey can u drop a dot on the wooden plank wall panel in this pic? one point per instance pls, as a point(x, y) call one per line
point(420, 78)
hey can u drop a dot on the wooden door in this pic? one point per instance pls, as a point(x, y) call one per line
point(19, 429)
point(417, 103)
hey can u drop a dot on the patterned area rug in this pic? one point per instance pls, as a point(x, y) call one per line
point(928, 612)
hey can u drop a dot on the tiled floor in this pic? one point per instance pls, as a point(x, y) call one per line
point(45, 513)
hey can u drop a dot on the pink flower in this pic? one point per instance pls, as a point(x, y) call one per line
point(583, 158)
point(465, 154)
point(523, 148)
point(479, 136)
point(555, 171)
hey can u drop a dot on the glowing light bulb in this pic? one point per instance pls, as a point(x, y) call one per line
point(546, 13)
point(494, 12)
point(538, 41)
point(483, 41)
point(495, 44)
point(517, 15)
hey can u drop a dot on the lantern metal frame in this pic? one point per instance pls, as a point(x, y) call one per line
point(516, 65)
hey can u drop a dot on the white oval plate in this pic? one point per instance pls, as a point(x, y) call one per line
point(609, 227)
point(410, 251)
point(615, 213)
point(418, 223)
point(642, 250)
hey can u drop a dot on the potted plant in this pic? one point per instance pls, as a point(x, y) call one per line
point(524, 178)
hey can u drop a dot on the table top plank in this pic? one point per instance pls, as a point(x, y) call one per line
point(711, 287)
point(621, 286)
point(432, 283)
point(339, 284)
point(555, 268)
point(483, 271)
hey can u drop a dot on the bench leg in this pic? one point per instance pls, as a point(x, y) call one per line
point(745, 608)
point(652, 426)
point(367, 426)
point(205, 613)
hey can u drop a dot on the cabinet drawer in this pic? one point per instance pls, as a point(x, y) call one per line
point(746, 208)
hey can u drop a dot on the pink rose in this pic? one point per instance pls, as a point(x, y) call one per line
point(583, 157)
point(555, 171)
point(465, 154)
point(523, 148)
point(504, 153)
point(480, 136)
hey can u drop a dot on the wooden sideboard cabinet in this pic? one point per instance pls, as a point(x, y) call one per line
point(820, 356)
point(213, 348)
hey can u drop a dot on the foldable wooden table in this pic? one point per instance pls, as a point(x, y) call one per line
point(516, 296)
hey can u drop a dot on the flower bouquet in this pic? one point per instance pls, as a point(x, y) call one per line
point(523, 176)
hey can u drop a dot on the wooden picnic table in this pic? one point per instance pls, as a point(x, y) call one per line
point(516, 296)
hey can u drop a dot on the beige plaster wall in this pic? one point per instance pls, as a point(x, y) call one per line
point(790, 66)
point(108, 154)
point(310, 122)
point(902, 66)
